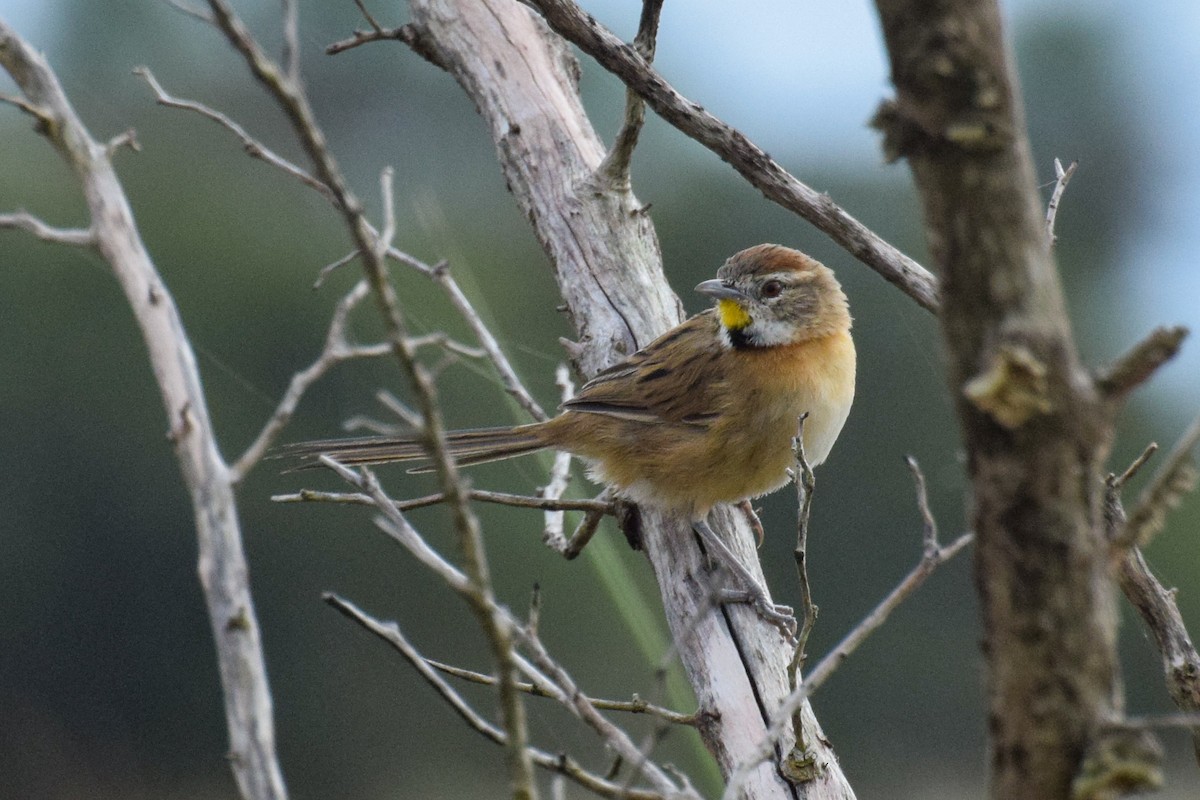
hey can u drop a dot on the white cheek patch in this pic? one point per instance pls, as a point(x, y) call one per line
point(770, 331)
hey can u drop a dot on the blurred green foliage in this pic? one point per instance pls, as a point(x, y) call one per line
point(108, 685)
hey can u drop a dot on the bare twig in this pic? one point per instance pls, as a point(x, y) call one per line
point(556, 763)
point(333, 267)
point(587, 527)
point(222, 561)
point(1061, 178)
point(873, 621)
point(615, 166)
point(600, 507)
point(928, 523)
point(634, 706)
point(1118, 481)
point(806, 484)
point(440, 274)
point(253, 147)
point(1157, 607)
point(782, 718)
point(362, 9)
point(359, 38)
point(291, 39)
point(1155, 603)
point(124, 139)
point(336, 350)
point(42, 116)
point(191, 11)
point(543, 670)
point(398, 407)
point(799, 764)
point(290, 96)
point(1143, 359)
point(23, 220)
point(383, 241)
point(1174, 479)
point(613, 736)
point(751, 162)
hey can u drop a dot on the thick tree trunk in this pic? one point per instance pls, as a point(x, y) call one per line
point(1034, 425)
point(522, 78)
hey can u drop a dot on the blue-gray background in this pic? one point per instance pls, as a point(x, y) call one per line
point(108, 686)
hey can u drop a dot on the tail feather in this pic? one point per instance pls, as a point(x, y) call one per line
point(473, 446)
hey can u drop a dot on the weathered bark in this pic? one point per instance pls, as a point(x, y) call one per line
point(221, 562)
point(1033, 422)
point(606, 258)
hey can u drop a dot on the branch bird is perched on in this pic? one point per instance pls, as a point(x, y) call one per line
point(705, 413)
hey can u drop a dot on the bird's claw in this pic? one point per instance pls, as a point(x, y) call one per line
point(781, 616)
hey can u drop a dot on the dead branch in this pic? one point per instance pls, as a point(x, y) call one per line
point(222, 561)
point(760, 170)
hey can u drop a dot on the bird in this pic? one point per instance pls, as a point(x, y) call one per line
point(704, 414)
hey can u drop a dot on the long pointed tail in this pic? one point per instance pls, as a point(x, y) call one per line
point(474, 446)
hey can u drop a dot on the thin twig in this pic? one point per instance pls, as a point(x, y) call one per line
point(362, 9)
point(329, 269)
point(478, 593)
point(801, 761)
point(191, 11)
point(873, 621)
point(613, 736)
point(407, 415)
point(928, 522)
point(587, 526)
point(556, 763)
point(782, 717)
point(543, 669)
point(359, 38)
point(336, 350)
point(1159, 611)
point(291, 39)
point(1061, 178)
point(221, 561)
point(615, 166)
point(124, 139)
point(598, 506)
point(1174, 479)
point(1141, 361)
point(440, 274)
point(634, 706)
point(1154, 602)
point(572, 23)
point(253, 147)
point(23, 220)
point(806, 484)
point(1118, 481)
point(41, 115)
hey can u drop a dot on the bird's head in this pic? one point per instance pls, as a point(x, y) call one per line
point(772, 295)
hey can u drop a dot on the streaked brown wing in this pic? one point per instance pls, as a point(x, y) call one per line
point(672, 379)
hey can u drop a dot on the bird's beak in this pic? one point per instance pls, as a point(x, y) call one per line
point(720, 291)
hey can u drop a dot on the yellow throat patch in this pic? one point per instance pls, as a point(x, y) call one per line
point(732, 315)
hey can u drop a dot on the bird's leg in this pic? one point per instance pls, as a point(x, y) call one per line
point(755, 523)
point(779, 616)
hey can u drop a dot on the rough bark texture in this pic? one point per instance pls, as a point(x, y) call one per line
point(1032, 420)
point(607, 262)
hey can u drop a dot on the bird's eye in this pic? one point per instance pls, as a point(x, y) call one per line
point(772, 289)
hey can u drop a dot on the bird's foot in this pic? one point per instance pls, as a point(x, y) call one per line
point(781, 616)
